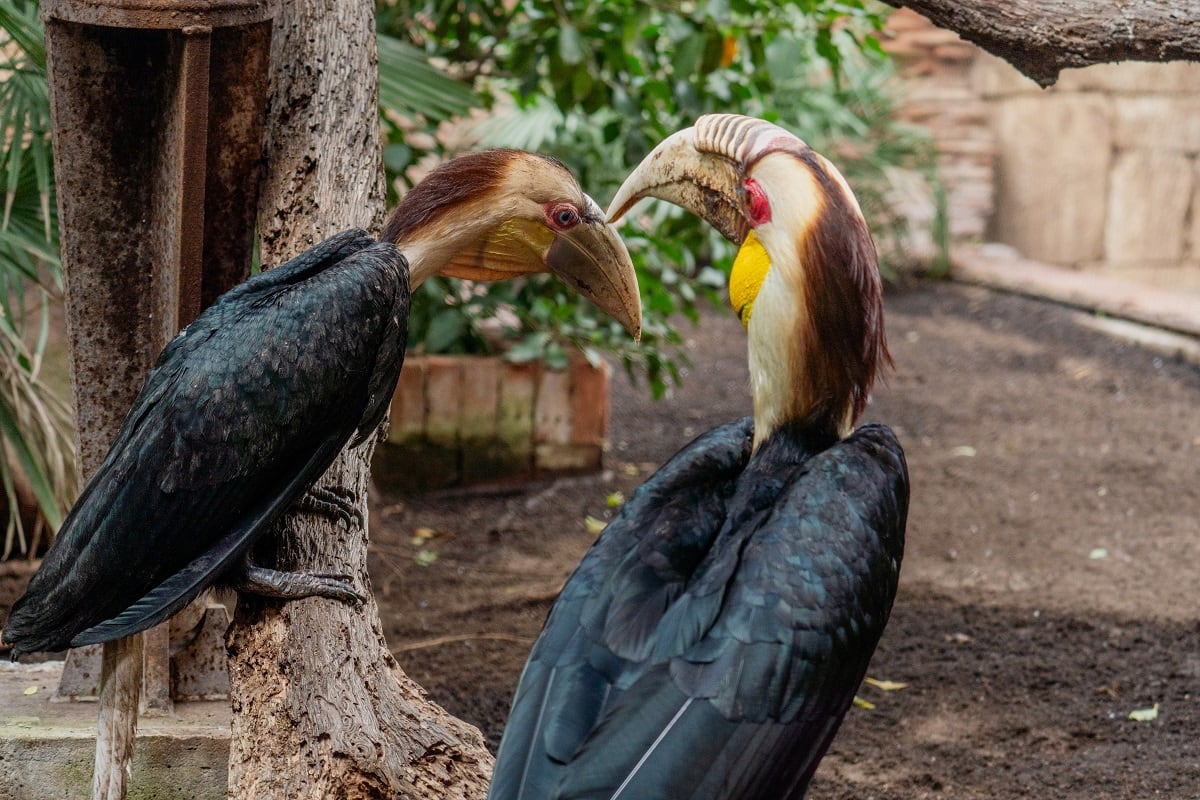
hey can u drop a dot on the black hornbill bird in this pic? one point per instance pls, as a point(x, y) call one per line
point(711, 640)
point(248, 406)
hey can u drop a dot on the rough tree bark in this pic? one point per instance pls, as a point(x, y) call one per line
point(1043, 37)
point(320, 707)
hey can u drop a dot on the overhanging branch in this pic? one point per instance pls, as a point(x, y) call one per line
point(1043, 37)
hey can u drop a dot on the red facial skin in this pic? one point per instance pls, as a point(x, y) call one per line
point(758, 207)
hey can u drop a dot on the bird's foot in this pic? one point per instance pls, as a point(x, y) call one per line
point(334, 502)
point(296, 585)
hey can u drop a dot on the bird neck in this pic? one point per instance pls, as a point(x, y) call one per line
point(448, 212)
point(816, 332)
point(428, 253)
point(786, 368)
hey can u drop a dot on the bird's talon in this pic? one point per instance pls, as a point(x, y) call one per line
point(334, 502)
point(297, 585)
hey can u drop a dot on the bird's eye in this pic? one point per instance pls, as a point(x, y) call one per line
point(563, 216)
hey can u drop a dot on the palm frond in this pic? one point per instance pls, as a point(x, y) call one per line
point(20, 22)
point(529, 127)
point(408, 83)
point(35, 423)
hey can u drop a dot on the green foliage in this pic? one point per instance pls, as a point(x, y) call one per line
point(598, 84)
point(35, 424)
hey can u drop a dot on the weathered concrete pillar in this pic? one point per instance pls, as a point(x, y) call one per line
point(158, 110)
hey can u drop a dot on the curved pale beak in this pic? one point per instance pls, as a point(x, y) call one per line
point(592, 258)
point(705, 184)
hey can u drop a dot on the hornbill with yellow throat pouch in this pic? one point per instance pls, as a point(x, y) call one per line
point(711, 640)
point(248, 406)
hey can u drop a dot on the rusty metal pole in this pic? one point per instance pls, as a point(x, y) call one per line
point(158, 108)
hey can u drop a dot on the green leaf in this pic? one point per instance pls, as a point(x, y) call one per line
point(397, 157)
point(444, 329)
point(410, 84)
point(712, 278)
point(1144, 714)
point(25, 29)
point(570, 45)
point(30, 464)
point(529, 349)
point(35, 423)
point(555, 357)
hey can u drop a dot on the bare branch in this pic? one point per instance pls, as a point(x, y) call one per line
point(1043, 37)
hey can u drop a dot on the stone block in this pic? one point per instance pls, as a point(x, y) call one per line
point(483, 418)
point(1148, 207)
point(589, 402)
point(1180, 278)
point(514, 415)
point(994, 78)
point(407, 419)
point(1053, 157)
point(954, 50)
point(978, 149)
point(47, 748)
point(1194, 236)
point(557, 457)
point(930, 37)
point(905, 19)
point(480, 397)
point(552, 413)
point(1157, 122)
point(1133, 76)
point(443, 393)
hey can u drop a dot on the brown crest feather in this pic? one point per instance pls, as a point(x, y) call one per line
point(845, 345)
point(450, 184)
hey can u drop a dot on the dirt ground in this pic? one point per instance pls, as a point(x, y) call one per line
point(1049, 587)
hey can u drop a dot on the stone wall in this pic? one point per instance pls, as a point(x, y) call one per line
point(1100, 172)
point(462, 420)
point(938, 92)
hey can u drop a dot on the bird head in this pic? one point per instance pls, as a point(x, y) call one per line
point(498, 214)
point(805, 282)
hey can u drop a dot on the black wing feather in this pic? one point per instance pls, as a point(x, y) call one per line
point(240, 414)
point(184, 585)
point(761, 632)
point(627, 580)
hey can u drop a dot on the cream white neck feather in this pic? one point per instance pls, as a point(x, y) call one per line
point(437, 243)
point(781, 386)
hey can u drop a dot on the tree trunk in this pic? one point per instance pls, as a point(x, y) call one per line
point(1043, 37)
point(320, 707)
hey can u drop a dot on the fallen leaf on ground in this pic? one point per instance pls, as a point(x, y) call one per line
point(593, 525)
point(1144, 714)
point(885, 686)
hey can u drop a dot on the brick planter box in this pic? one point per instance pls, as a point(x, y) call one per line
point(461, 420)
